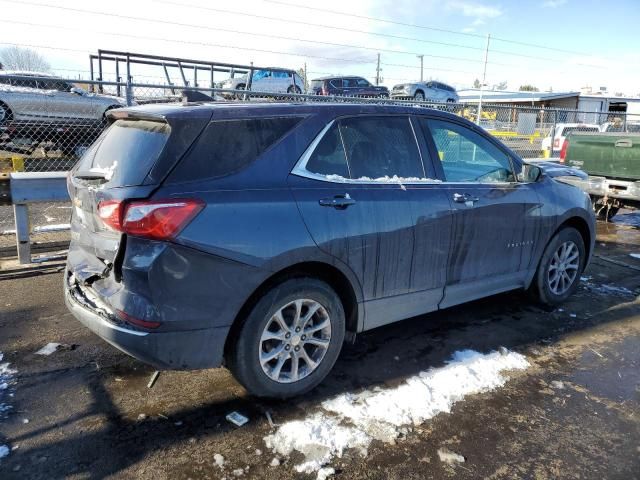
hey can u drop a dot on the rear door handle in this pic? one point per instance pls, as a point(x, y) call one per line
point(465, 198)
point(624, 143)
point(339, 202)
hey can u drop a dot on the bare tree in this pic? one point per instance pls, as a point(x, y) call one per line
point(18, 58)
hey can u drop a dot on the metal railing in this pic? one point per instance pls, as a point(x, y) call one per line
point(46, 123)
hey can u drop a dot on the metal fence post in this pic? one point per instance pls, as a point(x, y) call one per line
point(21, 215)
point(128, 91)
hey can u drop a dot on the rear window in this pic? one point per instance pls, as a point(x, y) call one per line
point(126, 151)
point(228, 146)
point(568, 130)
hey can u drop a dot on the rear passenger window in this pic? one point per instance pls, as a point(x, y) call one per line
point(379, 147)
point(228, 146)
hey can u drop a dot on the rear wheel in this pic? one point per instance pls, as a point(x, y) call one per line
point(290, 340)
point(560, 267)
point(294, 89)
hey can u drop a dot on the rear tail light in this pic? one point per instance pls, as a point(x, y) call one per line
point(325, 90)
point(136, 321)
point(156, 219)
point(563, 152)
point(556, 143)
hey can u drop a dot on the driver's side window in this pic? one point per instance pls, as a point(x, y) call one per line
point(467, 156)
point(260, 75)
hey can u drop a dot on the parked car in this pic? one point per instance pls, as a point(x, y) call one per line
point(44, 98)
point(552, 143)
point(426, 91)
point(261, 236)
point(347, 87)
point(270, 81)
point(619, 126)
point(612, 162)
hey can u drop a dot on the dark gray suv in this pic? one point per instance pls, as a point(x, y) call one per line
point(257, 236)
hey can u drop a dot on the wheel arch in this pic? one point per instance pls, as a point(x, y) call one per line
point(581, 225)
point(328, 273)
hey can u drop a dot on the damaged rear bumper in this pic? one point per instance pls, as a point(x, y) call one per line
point(178, 350)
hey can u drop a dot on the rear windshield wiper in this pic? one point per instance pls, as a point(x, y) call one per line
point(90, 175)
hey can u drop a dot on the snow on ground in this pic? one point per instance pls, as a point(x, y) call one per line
point(607, 289)
point(7, 380)
point(353, 420)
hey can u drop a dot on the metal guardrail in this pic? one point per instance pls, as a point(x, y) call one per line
point(32, 187)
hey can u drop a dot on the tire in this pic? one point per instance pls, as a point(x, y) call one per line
point(294, 89)
point(262, 334)
point(5, 114)
point(419, 96)
point(543, 282)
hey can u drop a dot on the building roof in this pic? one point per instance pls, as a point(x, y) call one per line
point(504, 96)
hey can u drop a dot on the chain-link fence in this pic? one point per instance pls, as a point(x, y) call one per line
point(47, 123)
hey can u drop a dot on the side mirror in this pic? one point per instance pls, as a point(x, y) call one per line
point(78, 91)
point(531, 173)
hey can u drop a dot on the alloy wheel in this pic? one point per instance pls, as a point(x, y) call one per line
point(294, 341)
point(563, 268)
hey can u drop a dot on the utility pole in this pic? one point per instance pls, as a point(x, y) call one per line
point(484, 78)
point(306, 81)
point(421, 57)
point(378, 71)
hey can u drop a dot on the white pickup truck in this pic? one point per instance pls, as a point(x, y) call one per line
point(552, 144)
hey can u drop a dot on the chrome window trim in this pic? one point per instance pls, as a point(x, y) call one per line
point(300, 169)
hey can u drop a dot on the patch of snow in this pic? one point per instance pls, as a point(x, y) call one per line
point(107, 172)
point(325, 473)
point(48, 349)
point(608, 289)
point(557, 384)
point(238, 472)
point(447, 456)
point(275, 462)
point(385, 179)
point(4, 451)
point(7, 379)
point(353, 420)
point(219, 459)
point(635, 255)
point(258, 452)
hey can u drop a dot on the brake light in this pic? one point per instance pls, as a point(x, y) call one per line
point(556, 143)
point(563, 152)
point(156, 219)
point(136, 321)
point(325, 90)
point(110, 212)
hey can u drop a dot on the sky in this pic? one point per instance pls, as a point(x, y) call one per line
point(562, 45)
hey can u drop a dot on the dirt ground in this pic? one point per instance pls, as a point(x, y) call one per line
point(575, 413)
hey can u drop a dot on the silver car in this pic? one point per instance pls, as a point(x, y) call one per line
point(430, 91)
point(29, 97)
point(267, 80)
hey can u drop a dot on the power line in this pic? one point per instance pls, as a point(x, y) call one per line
point(241, 32)
point(414, 25)
point(365, 32)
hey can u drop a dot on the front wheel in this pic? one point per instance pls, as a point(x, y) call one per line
point(560, 267)
point(290, 339)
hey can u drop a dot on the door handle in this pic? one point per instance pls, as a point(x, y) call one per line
point(339, 202)
point(624, 143)
point(465, 198)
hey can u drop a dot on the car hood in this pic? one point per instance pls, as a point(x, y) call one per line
point(553, 169)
